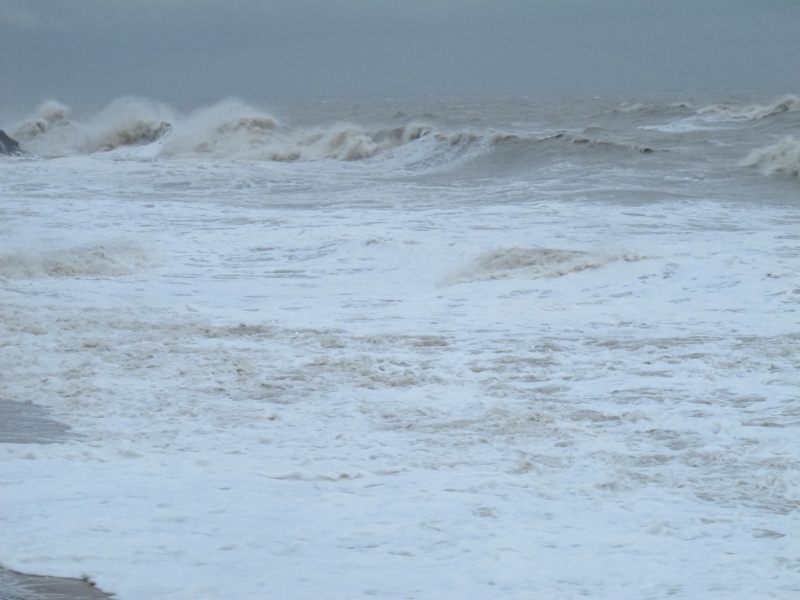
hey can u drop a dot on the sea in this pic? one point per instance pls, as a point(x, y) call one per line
point(434, 348)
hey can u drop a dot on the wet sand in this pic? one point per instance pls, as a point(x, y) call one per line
point(23, 423)
point(18, 586)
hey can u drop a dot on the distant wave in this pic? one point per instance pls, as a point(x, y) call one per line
point(599, 143)
point(754, 112)
point(656, 109)
point(782, 158)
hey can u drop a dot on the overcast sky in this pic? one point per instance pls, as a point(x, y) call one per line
point(194, 50)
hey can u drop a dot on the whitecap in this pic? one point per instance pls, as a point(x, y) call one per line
point(782, 158)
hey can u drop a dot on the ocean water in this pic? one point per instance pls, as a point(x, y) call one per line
point(429, 348)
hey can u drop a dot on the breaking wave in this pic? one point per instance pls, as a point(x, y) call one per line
point(49, 115)
point(230, 129)
point(787, 104)
point(124, 122)
point(782, 158)
point(127, 122)
point(532, 263)
point(233, 129)
point(104, 260)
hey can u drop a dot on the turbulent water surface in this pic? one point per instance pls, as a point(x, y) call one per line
point(406, 348)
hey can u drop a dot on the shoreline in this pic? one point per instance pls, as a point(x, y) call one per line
point(27, 423)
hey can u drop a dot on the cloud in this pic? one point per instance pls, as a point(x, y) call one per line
point(16, 15)
point(205, 49)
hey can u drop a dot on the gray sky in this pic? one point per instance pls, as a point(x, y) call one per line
point(194, 50)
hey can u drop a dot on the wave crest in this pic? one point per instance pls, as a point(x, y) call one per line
point(124, 122)
point(641, 109)
point(533, 263)
point(782, 158)
point(48, 115)
point(232, 129)
point(755, 112)
point(104, 260)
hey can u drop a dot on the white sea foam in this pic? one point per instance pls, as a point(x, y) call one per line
point(292, 395)
point(688, 125)
point(781, 158)
point(104, 260)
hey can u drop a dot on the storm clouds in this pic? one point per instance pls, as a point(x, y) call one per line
point(182, 50)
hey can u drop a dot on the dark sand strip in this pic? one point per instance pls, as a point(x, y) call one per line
point(23, 423)
point(17, 586)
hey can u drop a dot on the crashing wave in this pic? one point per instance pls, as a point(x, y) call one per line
point(49, 115)
point(787, 104)
point(137, 134)
point(345, 142)
point(232, 129)
point(782, 158)
point(532, 263)
point(105, 260)
point(124, 122)
point(340, 143)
